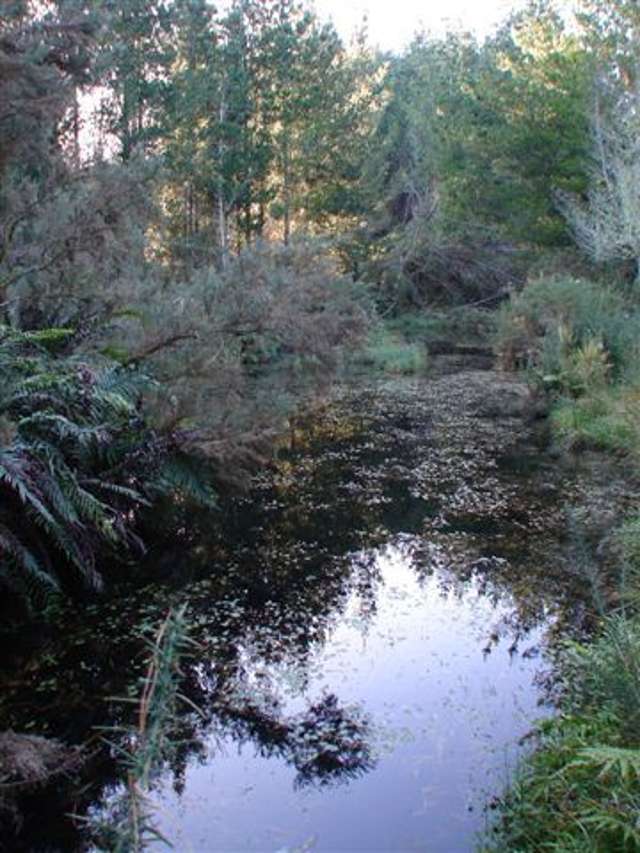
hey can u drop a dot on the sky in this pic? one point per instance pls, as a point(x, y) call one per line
point(392, 23)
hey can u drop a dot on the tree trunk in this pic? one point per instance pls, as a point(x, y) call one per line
point(286, 190)
point(222, 232)
point(223, 236)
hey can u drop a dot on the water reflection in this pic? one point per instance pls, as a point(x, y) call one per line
point(368, 622)
point(396, 683)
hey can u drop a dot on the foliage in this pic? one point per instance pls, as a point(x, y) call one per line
point(471, 146)
point(135, 53)
point(580, 789)
point(574, 793)
point(89, 246)
point(147, 233)
point(568, 330)
point(76, 464)
point(534, 95)
point(237, 348)
point(264, 127)
point(75, 246)
point(424, 244)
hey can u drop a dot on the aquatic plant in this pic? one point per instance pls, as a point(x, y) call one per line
point(148, 744)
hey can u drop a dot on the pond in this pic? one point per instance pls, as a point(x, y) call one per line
point(400, 725)
point(371, 623)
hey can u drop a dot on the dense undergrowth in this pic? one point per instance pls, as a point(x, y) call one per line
point(579, 790)
point(78, 465)
point(90, 439)
point(578, 341)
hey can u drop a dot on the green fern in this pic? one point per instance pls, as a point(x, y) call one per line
point(183, 474)
point(611, 761)
point(77, 464)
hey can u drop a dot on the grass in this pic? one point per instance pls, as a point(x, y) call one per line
point(580, 789)
point(607, 419)
point(387, 352)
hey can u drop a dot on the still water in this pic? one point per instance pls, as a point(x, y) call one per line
point(438, 720)
point(376, 675)
point(371, 623)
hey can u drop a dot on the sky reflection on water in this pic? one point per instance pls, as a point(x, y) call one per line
point(441, 717)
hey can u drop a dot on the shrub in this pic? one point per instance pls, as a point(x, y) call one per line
point(237, 349)
point(553, 318)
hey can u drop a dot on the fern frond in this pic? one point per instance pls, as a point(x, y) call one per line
point(610, 760)
point(14, 472)
point(117, 489)
point(63, 428)
point(10, 546)
point(185, 474)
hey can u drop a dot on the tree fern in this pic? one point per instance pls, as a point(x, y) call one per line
point(183, 474)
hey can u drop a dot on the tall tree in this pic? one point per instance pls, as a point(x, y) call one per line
point(539, 90)
point(133, 70)
point(314, 98)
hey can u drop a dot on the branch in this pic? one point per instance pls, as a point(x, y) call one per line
point(165, 343)
point(35, 268)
